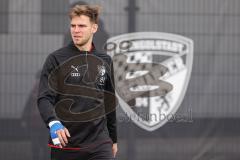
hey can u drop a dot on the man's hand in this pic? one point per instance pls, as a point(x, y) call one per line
point(59, 134)
point(114, 149)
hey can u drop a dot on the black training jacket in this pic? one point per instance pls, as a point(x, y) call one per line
point(77, 88)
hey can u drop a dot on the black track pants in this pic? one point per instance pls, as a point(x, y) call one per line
point(101, 151)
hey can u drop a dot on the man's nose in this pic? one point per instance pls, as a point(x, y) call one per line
point(77, 29)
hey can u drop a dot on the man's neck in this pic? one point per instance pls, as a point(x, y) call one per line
point(86, 47)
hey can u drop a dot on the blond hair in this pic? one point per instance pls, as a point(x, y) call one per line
point(92, 11)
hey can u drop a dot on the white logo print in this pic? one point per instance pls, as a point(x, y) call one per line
point(101, 74)
point(75, 68)
point(75, 72)
point(170, 58)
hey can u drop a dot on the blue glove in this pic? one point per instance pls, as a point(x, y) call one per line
point(53, 132)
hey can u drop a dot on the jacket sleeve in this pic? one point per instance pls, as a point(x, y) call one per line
point(111, 102)
point(46, 97)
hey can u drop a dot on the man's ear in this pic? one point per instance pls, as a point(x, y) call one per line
point(94, 28)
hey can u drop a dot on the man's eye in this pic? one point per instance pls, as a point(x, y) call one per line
point(72, 25)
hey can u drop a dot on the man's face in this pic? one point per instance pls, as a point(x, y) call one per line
point(82, 30)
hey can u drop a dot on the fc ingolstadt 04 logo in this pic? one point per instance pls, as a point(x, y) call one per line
point(152, 72)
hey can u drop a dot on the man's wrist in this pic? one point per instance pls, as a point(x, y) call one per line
point(54, 127)
point(50, 124)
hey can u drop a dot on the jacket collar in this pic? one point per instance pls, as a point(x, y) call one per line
point(72, 46)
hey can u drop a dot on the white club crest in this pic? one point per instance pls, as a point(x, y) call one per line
point(162, 50)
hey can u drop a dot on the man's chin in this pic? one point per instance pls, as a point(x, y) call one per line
point(78, 43)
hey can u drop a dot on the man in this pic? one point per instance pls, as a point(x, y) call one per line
point(76, 95)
